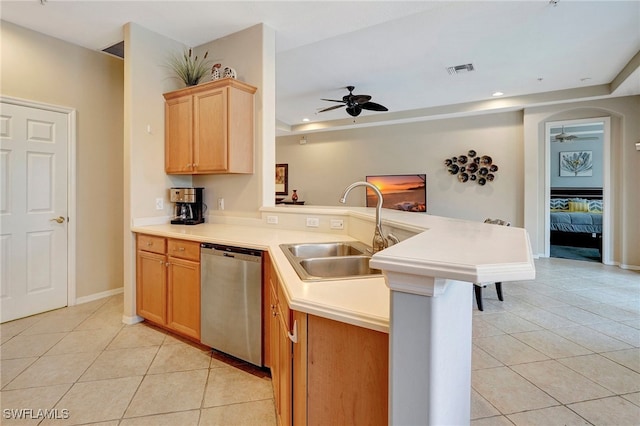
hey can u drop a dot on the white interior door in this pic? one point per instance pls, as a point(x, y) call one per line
point(33, 210)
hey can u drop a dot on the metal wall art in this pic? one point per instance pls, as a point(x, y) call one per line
point(472, 167)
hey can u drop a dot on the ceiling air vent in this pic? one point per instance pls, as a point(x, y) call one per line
point(460, 69)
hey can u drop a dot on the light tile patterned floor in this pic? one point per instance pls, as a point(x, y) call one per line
point(84, 360)
point(563, 349)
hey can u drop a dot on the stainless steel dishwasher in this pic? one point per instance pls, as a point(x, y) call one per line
point(231, 301)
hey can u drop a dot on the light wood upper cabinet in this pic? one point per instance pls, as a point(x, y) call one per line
point(209, 128)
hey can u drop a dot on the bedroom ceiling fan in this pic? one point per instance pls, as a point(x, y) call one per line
point(567, 137)
point(355, 103)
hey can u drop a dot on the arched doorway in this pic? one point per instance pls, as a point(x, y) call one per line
point(577, 189)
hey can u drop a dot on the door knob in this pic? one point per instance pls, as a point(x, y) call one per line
point(58, 219)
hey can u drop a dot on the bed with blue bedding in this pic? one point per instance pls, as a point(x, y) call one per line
point(576, 217)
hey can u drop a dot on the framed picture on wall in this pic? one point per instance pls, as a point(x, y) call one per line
point(576, 163)
point(400, 192)
point(282, 179)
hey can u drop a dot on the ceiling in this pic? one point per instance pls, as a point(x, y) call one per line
point(396, 51)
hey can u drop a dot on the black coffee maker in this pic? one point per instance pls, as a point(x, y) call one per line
point(189, 208)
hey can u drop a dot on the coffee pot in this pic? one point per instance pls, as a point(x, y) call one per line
point(189, 207)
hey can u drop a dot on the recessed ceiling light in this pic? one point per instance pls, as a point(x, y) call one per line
point(305, 119)
point(497, 94)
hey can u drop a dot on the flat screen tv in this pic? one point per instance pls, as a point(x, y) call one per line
point(400, 192)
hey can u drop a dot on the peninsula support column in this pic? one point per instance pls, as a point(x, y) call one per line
point(430, 350)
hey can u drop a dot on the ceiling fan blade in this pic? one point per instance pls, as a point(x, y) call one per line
point(373, 106)
point(360, 99)
point(333, 100)
point(331, 107)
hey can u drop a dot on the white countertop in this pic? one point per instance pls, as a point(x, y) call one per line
point(448, 248)
point(363, 302)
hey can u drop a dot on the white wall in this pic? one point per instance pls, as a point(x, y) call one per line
point(330, 161)
point(48, 70)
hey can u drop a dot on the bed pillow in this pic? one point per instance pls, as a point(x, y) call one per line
point(595, 206)
point(559, 204)
point(579, 206)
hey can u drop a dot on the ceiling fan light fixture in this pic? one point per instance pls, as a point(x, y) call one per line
point(460, 69)
point(354, 103)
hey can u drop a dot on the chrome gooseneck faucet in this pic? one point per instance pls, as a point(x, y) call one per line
point(379, 242)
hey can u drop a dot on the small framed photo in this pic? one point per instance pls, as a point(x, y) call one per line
point(282, 179)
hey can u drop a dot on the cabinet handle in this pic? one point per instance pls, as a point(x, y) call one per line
point(149, 244)
point(167, 264)
point(274, 313)
point(178, 249)
point(294, 337)
point(161, 262)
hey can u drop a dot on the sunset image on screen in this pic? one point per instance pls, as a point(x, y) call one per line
point(400, 192)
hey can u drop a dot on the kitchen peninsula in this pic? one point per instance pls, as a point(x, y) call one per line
point(429, 274)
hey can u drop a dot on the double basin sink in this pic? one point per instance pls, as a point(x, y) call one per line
point(330, 261)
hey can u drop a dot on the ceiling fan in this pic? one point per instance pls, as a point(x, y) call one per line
point(566, 137)
point(355, 103)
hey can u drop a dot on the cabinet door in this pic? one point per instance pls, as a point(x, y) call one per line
point(183, 307)
point(178, 156)
point(274, 344)
point(210, 149)
point(285, 359)
point(343, 361)
point(151, 286)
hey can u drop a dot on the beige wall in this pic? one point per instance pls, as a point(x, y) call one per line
point(251, 53)
point(329, 161)
point(44, 69)
point(625, 167)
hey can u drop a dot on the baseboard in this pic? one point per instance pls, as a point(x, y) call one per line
point(130, 320)
point(96, 296)
point(630, 267)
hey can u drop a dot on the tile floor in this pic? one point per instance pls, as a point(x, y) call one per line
point(563, 349)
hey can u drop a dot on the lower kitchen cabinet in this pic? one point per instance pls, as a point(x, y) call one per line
point(347, 374)
point(281, 351)
point(168, 283)
point(333, 374)
point(183, 301)
point(151, 286)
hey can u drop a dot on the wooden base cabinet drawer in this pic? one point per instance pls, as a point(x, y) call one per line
point(152, 243)
point(189, 250)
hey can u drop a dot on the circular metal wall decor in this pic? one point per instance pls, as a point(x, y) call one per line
point(471, 167)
